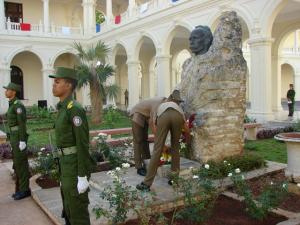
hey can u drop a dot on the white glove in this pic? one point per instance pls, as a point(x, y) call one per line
point(22, 145)
point(82, 184)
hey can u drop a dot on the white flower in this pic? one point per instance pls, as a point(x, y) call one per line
point(95, 138)
point(243, 177)
point(126, 144)
point(48, 154)
point(182, 145)
point(118, 168)
point(237, 170)
point(43, 149)
point(298, 185)
point(206, 166)
point(162, 159)
point(102, 134)
point(192, 133)
point(191, 168)
point(271, 183)
point(284, 185)
point(224, 161)
point(125, 165)
point(229, 175)
point(195, 177)
point(228, 164)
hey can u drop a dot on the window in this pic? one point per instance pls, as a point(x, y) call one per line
point(14, 11)
point(16, 76)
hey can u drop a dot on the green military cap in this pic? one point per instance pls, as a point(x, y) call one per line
point(13, 86)
point(63, 72)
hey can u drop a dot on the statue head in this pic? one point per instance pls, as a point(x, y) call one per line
point(200, 40)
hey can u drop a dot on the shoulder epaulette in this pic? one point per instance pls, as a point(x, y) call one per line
point(70, 105)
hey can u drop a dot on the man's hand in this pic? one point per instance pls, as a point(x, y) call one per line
point(22, 145)
point(82, 184)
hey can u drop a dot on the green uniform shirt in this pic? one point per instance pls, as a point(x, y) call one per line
point(71, 129)
point(16, 116)
point(291, 95)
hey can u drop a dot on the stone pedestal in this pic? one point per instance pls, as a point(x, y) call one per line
point(292, 141)
point(214, 88)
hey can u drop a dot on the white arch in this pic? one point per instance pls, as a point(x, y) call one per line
point(59, 53)
point(283, 35)
point(115, 49)
point(269, 14)
point(139, 43)
point(11, 55)
point(171, 33)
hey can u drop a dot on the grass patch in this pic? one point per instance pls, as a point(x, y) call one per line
point(268, 149)
point(38, 129)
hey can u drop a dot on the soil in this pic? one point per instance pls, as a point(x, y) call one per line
point(46, 182)
point(227, 211)
point(291, 202)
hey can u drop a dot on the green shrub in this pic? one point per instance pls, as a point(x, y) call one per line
point(245, 162)
point(270, 198)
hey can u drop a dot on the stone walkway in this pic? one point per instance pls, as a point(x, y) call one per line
point(23, 212)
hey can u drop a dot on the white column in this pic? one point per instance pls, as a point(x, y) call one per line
point(109, 14)
point(89, 17)
point(133, 86)
point(47, 87)
point(4, 80)
point(297, 84)
point(296, 41)
point(131, 7)
point(163, 75)
point(2, 15)
point(276, 85)
point(261, 85)
point(46, 15)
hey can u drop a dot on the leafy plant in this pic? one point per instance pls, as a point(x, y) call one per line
point(122, 198)
point(46, 165)
point(199, 196)
point(114, 154)
point(246, 162)
point(111, 115)
point(270, 198)
point(248, 119)
point(270, 133)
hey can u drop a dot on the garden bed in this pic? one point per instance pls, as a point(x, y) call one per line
point(227, 211)
point(290, 203)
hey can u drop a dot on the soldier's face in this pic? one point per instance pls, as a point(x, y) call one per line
point(61, 87)
point(10, 93)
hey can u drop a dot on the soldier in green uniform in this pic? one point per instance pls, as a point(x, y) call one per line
point(16, 118)
point(72, 140)
point(291, 100)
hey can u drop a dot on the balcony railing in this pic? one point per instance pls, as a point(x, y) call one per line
point(39, 29)
point(139, 12)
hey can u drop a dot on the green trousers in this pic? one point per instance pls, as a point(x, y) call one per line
point(140, 144)
point(20, 163)
point(75, 204)
point(171, 120)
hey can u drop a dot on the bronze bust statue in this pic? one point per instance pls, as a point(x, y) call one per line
point(200, 40)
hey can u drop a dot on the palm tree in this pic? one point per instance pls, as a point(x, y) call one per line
point(94, 71)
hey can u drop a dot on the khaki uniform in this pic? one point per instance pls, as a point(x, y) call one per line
point(72, 138)
point(170, 118)
point(16, 118)
point(143, 114)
